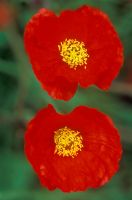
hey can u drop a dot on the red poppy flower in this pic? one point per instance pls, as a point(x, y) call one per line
point(77, 47)
point(75, 151)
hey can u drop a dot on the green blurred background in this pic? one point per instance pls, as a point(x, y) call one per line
point(21, 97)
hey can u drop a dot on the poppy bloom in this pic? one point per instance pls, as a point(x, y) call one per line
point(75, 151)
point(77, 47)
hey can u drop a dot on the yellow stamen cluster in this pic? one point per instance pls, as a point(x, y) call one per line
point(73, 53)
point(68, 142)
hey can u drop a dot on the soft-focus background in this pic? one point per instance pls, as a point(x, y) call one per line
point(21, 97)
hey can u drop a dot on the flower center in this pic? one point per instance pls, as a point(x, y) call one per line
point(68, 142)
point(73, 53)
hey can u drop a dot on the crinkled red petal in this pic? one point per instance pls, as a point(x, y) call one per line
point(92, 167)
point(60, 88)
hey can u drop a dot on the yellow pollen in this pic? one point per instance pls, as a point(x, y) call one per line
point(73, 53)
point(68, 142)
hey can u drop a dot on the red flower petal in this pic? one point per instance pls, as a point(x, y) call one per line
point(44, 39)
point(93, 165)
point(60, 88)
